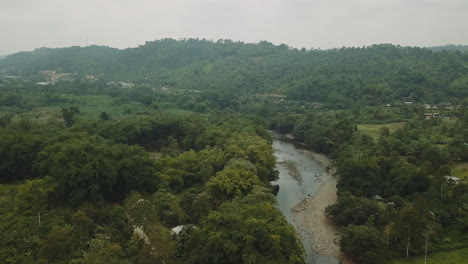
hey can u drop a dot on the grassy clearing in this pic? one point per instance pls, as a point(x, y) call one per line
point(459, 256)
point(42, 113)
point(374, 130)
point(92, 105)
point(90, 108)
point(460, 170)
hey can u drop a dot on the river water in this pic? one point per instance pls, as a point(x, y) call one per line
point(292, 191)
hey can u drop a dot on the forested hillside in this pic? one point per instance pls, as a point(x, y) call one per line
point(372, 75)
point(462, 48)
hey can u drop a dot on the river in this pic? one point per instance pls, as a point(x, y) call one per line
point(301, 178)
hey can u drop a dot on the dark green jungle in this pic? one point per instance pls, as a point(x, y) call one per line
point(103, 151)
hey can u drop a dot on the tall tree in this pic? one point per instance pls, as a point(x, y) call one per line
point(33, 195)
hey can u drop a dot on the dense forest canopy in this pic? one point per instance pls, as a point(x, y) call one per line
point(371, 74)
point(103, 151)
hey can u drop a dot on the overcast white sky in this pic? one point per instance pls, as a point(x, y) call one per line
point(29, 24)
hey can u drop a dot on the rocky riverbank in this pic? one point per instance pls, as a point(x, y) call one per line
point(310, 217)
point(309, 214)
point(307, 187)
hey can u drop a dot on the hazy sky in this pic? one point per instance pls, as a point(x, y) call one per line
point(29, 24)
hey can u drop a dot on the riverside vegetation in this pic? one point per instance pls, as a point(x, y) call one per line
point(103, 151)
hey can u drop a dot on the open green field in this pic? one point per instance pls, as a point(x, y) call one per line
point(90, 108)
point(374, 130)
point(460, 170)
point(459, 256)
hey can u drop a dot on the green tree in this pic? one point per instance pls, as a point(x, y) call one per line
point(83, 224)
point(92, 169)
point(162, 201)
point(159, 249)
point(231, 182)
point(140, 210)
point(202, 206)
point(104, 116)
point(365, 243)
point(82, 169)
point(246, 230)
point(33, 195)
point(353, 210)
point(18, 152)
point(57, 246)
point(69, 115)
point(256, 150)
point(102, 250)
point(5, 120)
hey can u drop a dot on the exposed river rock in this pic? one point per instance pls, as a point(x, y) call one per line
point(303, 201)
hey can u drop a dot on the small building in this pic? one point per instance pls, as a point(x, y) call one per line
point(126, 84)
point(176, 230)
point(431, 115)
point(377, 197)
point(452, 179)
point(428, 106)
point(48, 72)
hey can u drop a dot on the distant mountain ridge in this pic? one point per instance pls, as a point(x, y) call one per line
point(373, 74)
point(165, 53)
point(463, 48)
